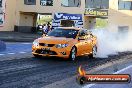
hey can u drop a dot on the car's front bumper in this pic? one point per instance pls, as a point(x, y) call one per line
point(51, 51)
point(47, 55)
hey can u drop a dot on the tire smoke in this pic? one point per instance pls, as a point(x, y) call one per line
point(110, 43)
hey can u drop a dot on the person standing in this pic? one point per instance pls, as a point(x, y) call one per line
point(49, 27)
point(43, 29)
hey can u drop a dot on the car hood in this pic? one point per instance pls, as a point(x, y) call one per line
point(54, 40)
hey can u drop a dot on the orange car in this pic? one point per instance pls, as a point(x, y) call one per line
point(66, 42)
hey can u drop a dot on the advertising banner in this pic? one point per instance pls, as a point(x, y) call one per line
point(77, 18)
point(96, 12)
point(59, 16)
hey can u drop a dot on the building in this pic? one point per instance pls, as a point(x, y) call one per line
point(21, 15)
point(120, 15)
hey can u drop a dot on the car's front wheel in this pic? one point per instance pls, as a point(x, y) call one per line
point(94, 52)
point(73, 54)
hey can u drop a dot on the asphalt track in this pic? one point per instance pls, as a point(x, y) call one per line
point(22, 70)
point(36, 73)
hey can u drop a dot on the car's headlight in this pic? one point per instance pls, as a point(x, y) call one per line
point(36, 43)
point(61, 45)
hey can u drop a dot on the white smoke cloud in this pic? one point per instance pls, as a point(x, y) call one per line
point(110, 43)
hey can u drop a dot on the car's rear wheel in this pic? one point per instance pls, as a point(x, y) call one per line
point(37, 56)
point(73, 52)
point(94, 52)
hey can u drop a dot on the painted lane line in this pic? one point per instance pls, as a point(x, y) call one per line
point(22, 52)
point(2, 54)
point(120, 71)
point(19, 43)
point(26, 43)
point(88, 86)
point(11, 53)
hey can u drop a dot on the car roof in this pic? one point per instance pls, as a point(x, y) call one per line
point(70, 28)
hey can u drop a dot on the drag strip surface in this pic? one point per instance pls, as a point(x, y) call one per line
point(37, 73)
point(16, 48)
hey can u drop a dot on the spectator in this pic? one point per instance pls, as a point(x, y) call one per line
point(49, 26)
point(44, 29)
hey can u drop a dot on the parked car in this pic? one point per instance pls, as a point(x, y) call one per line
point(66, 42)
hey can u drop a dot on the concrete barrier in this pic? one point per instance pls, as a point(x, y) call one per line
point(2, 46)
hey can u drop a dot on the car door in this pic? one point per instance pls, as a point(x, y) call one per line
point(88, 44)
point(82, 44)
point(81, 47)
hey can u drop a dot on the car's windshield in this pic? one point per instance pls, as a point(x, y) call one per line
point(60, 32)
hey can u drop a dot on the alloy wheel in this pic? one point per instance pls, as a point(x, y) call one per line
point(73, 54)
